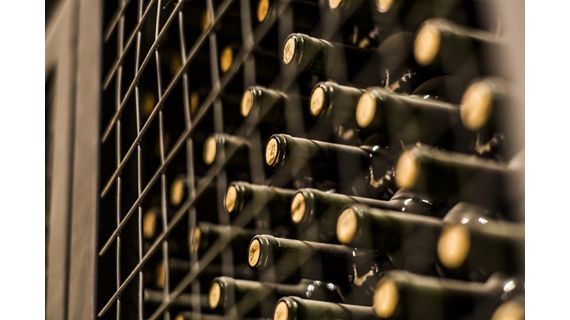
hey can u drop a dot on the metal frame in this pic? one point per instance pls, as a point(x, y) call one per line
point(73, 53)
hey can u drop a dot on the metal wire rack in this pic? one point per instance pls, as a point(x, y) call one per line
point(166, 88)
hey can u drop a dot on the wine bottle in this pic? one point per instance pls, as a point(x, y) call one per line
point(447, 48)
point(152, 226)
point(228, 27)
point(266, 62)
point(227, 54)
point(268, 205)
point(178, 193)
point(262, 103)
point(219, 145)
point(512, 309)
point(401, 119)
point(205, 235)
point(291, 259)
point(253, 298)
point(483, 249)
point(458, 177)
point(410, 14)
point(448, 88)
point(353, 169)
point(329, 60)
point(409, 240)
point(269, 107)
point(334, 103)
point(391, 64)
point(230, 151)
point(355, 22)
point(177, 269)
point(178, 190)
point(151, 220)
point(346, 9)
point(320, 209)
point(295, 308)
point(404, 295)
point(487, 108)
point(485, 103)
point(303, 12)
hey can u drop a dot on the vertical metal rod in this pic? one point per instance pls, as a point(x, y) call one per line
point(163, 199)
point(140, 308)
point(221, 179)
point(190, 172)
point(118, 99)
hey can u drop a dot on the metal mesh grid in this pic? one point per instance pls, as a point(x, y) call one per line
point(163, 93)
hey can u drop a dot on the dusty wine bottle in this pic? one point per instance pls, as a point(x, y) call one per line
point(404, 295)
point(451, 49)
point(269, 107)
point(410, 14)
point(253, 298)
point(296, 308)
point(483, 248)
point(324, 159)
point(289, 258)
point(177, 269)
point(359, 22)
point(151, 221)
point(345, 8)
point(407, 119)
point(448, 88)
point(326, 59)
point(261, 103)
point(512, 309)
point(227, 27)
point(488, 109)
point(484, 104)
point(218, 144)
point(178, 193)
point(268, 205)
point(334, 103)
point(468, 213)
point(459, 177)
point(266, 62)
point(227, 57)
point(178, 190)
point(410, 240)
point(303, 12)
point(231, 150)
point(152, 226)
point(312, 207)
point(206, 234)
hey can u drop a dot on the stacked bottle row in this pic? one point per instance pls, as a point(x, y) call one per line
point(373, 252)
point(403, 198)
